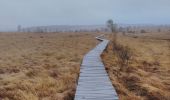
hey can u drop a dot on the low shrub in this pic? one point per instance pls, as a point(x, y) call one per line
point(123, 54)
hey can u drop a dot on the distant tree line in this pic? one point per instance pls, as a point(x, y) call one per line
point(48, 29)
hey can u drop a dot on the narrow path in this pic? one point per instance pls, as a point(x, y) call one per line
point(94, 83)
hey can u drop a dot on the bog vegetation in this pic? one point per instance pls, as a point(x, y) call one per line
point(139, 66)
point(40, 66)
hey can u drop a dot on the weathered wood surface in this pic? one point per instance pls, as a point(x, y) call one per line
point(94, 83)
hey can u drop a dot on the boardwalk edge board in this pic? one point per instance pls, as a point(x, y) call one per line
point(94, 82)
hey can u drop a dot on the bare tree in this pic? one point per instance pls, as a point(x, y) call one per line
point(121, 29)
point(113, 27)
point(19, 28)
point(159, 30)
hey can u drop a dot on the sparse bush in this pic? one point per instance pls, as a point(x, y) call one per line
point(54, 73)
point(135, 36)
point(123, 33)
point(131, 31)
point(143, 31)
point(14, 70)
point(150, 66)
point(31, 73)
point(123, 54)
point(47, 53)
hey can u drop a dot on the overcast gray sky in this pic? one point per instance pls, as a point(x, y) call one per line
point(82, 12)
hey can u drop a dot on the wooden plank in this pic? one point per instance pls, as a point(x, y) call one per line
point(94, 83)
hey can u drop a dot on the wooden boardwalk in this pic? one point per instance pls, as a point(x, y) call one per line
point(94, 83)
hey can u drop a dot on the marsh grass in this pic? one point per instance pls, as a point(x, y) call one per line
point(43, 66)
point(148, 72)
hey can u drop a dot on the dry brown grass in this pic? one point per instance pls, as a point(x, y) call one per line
point(147, 76)
point(40, 66)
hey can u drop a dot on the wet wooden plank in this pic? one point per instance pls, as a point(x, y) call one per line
point(94, 83)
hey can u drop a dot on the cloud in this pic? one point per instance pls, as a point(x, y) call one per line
point(50, 12)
